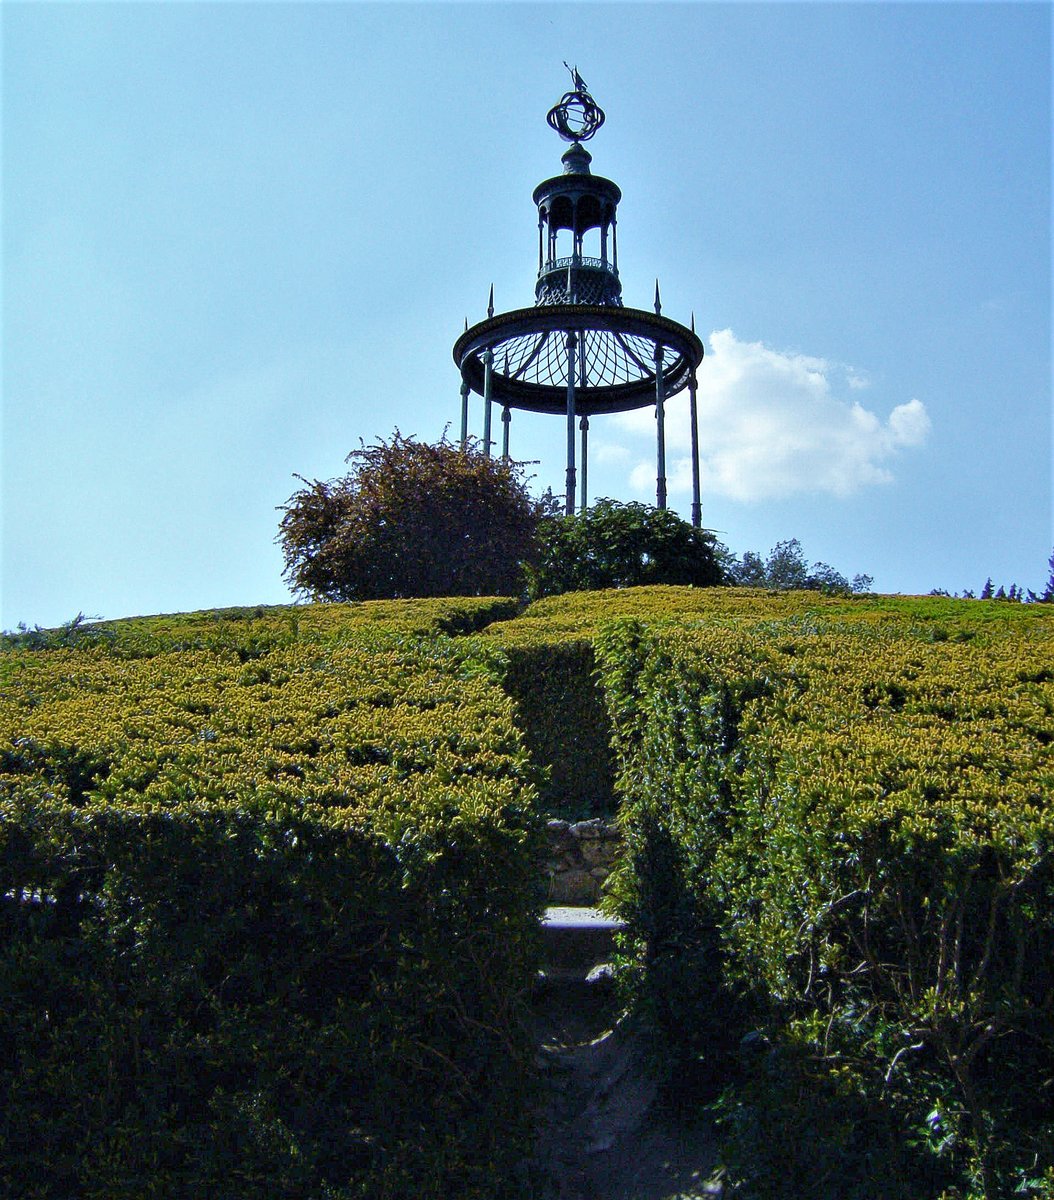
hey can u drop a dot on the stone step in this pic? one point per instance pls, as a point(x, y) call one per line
point(575, 940)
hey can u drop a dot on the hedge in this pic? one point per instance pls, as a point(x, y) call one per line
point(559, 709)
point(252, 631)
point(268, 925)
point(841, 849)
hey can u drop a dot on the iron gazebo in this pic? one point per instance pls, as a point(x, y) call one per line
point(578, 352)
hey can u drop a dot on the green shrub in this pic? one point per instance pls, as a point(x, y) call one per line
point(266, 927)
point(617, 545)
point(842, 832)
point(411, 519)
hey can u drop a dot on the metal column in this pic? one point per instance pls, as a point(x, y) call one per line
point(569, 496)
point(465, 389)
point(506, 420)
point(583, 425)
point(697, 508)
point(660, 418)
point(488, 370)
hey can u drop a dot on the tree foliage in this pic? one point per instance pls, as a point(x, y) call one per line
point(614, 544)
point(787, 568)
point(410, 519)
point(1014, 594)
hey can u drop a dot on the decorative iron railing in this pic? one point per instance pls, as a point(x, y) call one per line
point(561, 264)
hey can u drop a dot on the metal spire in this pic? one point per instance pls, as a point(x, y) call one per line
point(658, 301)
point(490, 302)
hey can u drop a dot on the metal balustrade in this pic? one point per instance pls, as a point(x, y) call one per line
point(577, 260)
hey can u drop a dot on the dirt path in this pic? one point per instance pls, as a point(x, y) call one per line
point(603, 1131)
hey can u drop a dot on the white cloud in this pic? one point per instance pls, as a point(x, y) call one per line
point(611, 453)
point(772, 425)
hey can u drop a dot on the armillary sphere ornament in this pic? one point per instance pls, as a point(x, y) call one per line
point(578, 116)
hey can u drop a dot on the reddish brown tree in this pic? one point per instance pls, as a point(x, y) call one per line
point(410, 519)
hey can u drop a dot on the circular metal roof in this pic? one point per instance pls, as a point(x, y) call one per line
point(615, 359)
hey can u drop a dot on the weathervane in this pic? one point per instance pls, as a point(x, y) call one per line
point(578, 116)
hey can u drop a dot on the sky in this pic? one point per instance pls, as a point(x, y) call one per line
point(238, 238)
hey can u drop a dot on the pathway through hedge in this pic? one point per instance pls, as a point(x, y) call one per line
point(604, 1131)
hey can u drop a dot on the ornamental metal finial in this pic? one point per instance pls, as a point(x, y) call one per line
point(578, 116)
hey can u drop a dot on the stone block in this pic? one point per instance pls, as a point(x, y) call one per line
point(600, 853)
point(573, 887)
point(590, 830)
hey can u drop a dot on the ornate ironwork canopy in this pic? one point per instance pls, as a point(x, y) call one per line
point(615, 361)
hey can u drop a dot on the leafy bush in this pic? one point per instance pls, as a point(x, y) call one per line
point(410, 519)
point(617, 545)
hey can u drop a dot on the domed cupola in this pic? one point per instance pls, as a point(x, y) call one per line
point(571, 206)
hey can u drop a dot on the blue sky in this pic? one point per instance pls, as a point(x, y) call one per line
point(237, 238)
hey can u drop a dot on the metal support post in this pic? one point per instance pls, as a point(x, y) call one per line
point(488, 370)
point(506, 420)
point(583, 425)
point(697, 508)
point(569, 496)
point(465, 389)
point(660, 418)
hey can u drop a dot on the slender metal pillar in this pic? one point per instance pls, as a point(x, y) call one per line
point(583, 425)
point(614, 244)
point(540, 223)
point(506, 420)
point(660, 418)
point(697, 508)
point(569, 496)
point(583, 502)
point(465, 389)
point(488, 371)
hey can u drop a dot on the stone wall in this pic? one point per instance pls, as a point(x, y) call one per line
point(579, 858)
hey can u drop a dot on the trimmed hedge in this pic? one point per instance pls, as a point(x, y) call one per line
point(250, 632)
point(268, 889)
point(841, 846)
point(266, 925)
point(559, 707)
